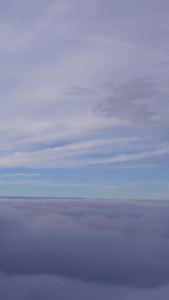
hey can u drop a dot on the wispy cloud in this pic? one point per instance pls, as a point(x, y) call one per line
point(131, 185)
point(43, 183)
point(81, 154)
point(21, 175)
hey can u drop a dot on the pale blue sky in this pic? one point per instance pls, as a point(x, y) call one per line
point(84, 108)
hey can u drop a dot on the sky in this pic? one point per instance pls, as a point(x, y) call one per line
point(84, 249)
point(84, 98)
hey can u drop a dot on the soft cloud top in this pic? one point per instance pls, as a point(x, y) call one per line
point(71, 249)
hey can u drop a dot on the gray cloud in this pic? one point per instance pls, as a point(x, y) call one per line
point(46, 286)
point(134, 101)
point(79, 91)
point(92, 247)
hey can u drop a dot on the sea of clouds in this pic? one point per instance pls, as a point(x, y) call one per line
point(84, 249)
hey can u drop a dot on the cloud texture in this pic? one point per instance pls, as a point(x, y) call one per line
point(57, 56)
point(71, 249)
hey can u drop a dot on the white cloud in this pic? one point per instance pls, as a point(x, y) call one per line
point(81, 154)
point(21, 175)
point(137, 184)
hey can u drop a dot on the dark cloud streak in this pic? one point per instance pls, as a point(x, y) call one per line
point(132, 101)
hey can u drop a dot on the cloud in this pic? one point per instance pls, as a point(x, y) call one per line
point(46, 286)
point(79, 91)
point(96, 152)
point(136, 184)
point(20, 175)
point(57, 52)
point(133, 101)
point(43, 183)
point(83, 248)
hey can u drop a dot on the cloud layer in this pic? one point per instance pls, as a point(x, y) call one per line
point(56, 58)
point(73, 249)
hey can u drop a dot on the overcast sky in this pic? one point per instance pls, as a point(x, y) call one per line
point(84, 108)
